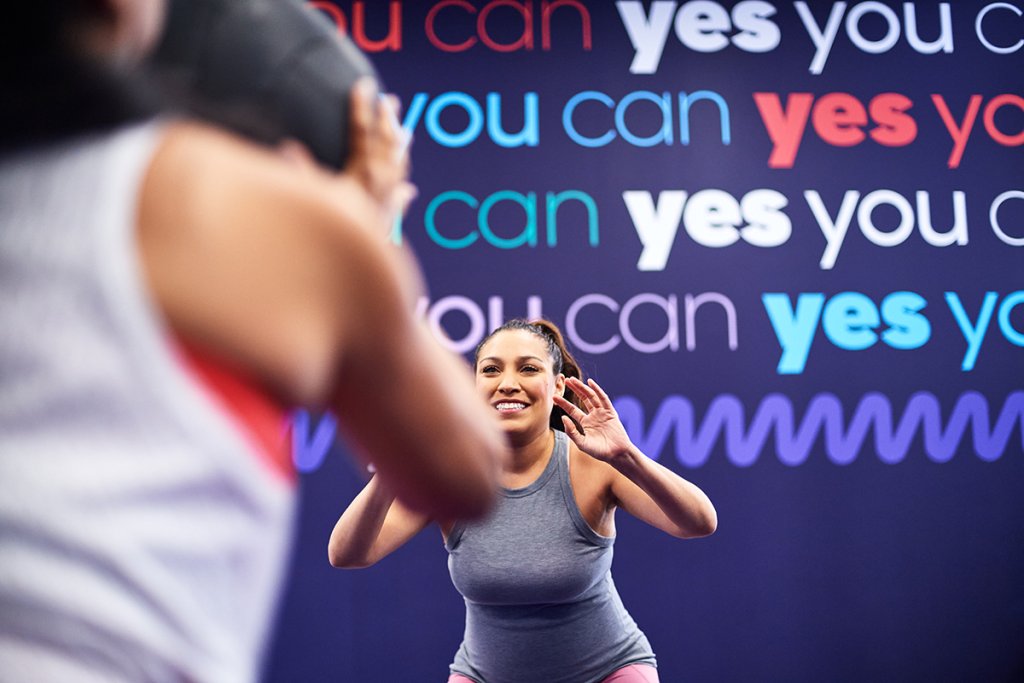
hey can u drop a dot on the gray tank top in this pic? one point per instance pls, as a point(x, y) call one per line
point(541, 606)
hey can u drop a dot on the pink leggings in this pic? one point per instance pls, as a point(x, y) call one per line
point(634, 673)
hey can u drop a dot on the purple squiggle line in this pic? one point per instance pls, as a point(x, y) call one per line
point(843, 440)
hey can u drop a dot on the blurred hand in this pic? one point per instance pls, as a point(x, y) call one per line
point(380, 149)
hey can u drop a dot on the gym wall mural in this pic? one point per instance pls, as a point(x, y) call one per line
point(787, 238)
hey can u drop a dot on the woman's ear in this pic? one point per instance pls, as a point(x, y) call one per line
point(560, 384)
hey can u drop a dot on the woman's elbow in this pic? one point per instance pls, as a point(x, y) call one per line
point(341, 560)
point(470, 498)
point(708, 522)
point(703, 524)
point(464, 486)
point(710, 525)
point(337, 561)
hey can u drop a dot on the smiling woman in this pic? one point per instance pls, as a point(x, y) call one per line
point(555, 352)
point(535, 574)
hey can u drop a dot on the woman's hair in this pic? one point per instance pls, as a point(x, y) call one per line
point(562, 360)
point(295, 82)
point(52, 88)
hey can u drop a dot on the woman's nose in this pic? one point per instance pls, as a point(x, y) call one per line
point(508, 384)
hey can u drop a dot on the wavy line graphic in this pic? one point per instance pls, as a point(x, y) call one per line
point(843, 440)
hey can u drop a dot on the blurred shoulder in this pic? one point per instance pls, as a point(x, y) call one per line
point(249, 254)
point(210, 173)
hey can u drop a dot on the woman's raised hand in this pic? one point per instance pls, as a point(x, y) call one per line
point(603, 436)
point(380, 149)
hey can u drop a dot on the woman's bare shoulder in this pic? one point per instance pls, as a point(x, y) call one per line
point(249, 254)
point(206, 169)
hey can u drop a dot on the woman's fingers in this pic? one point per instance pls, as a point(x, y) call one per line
point(404, 195)
point(379, 157)
point(583, 391)
point(387, 118)
point(574, 434)
point(591, 393)
point(363, 94)
point(602, 397)
point(569, 407)
point(390, 126)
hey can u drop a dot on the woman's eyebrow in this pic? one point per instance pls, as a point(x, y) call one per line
point(520, 359)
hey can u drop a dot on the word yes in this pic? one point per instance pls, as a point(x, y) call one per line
point(699, 25)
point(712, 218)
point(838, 119)
point(849, 320)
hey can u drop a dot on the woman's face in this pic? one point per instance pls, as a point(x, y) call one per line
point(515, 376)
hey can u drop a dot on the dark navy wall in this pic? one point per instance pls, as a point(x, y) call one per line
point(849, 389)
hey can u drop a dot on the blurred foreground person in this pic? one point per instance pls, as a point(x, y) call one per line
point(167, 292)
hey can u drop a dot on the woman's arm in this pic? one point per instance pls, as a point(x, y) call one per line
point(288, 277)
point(372, 527)
point(660, 497)
point(642, 487)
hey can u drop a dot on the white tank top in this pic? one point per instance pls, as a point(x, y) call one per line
point(141, 536)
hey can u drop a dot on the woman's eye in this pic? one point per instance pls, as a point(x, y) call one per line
point(530, 368)
point(488, 369)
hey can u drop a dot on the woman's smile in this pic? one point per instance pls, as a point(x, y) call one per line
point(510, 406)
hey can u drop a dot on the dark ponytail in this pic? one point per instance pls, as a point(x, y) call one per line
point(562, 360)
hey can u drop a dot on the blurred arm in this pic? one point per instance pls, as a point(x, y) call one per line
point(286, 277)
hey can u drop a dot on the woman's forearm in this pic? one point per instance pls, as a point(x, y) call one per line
point(683, 505)
point(358, 529)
